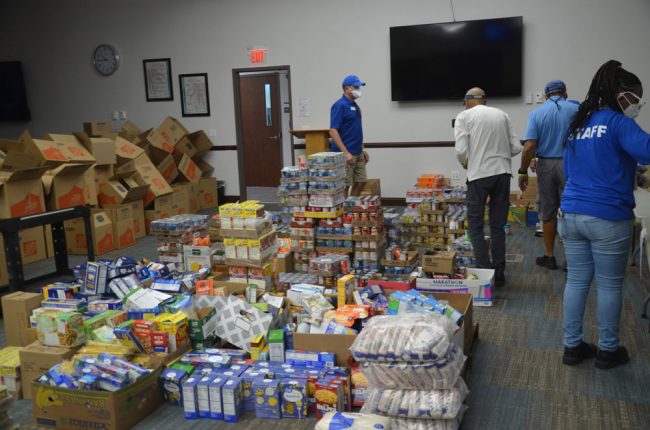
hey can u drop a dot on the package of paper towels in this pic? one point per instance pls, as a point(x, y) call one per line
point(352, 421)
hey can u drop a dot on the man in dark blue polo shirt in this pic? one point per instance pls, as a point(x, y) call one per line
point(347, 134)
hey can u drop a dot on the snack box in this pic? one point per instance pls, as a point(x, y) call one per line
point(190, 402)
point(214, 391)
point(231, 396)
point(60, 328)
point(267, 398)
point(293, 400)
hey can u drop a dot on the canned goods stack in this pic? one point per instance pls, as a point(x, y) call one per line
point(174, 233)
point(249, 241)
point(424, 223)
point(326, 172)
point(399, 262)
point(294, 183)
point(368, 232)
point(393, 227)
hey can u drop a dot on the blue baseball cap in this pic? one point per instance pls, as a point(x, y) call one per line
point(352, 80)
point(555, 86)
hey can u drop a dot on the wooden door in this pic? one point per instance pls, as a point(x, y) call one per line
point(261, 130)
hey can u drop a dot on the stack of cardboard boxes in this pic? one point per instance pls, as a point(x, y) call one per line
point(129, 177)
point(523, 205)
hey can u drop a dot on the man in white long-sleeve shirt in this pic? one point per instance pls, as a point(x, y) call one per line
point(485, 144)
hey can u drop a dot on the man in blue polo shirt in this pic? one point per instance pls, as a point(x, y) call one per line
point(347, 135)
point(545, 135)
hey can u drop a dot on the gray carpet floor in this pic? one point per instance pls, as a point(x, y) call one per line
point(518, 380)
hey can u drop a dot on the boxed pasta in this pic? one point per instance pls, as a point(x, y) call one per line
point(214, 392)
point(231, 396)
point(60, 328)
point(293, 401)
point(190, 404)
point(328, 395)
point(267, 398)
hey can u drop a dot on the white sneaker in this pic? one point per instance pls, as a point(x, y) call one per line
point(539, 231)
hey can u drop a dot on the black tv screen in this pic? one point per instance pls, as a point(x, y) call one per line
point(443, 61)
point(13, 98)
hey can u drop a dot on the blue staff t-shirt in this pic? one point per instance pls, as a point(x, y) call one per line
point(600, 166)
point(548, 125)
point(345, 116)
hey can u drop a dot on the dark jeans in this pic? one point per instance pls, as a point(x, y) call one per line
point(498, 189)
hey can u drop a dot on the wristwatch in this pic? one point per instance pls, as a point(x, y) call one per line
point(524, 173)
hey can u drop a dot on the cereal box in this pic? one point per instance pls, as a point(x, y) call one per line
point(267, 398)
point(190, 404)
point(293, 400)
point(214, 392)
point(172, 381)
point(231, 397)
point(60, 328)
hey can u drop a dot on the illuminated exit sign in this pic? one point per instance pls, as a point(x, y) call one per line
point(257, 55)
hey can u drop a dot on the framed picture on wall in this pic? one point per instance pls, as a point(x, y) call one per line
point(195, 99)
point(158, 79)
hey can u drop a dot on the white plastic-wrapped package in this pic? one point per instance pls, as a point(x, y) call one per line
point(439, 375)
point(352, 421)
point(423, 404)
point(415, 424)
point(407, 338)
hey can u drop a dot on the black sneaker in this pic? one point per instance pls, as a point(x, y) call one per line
point(609, 359)
point(546, 261)
point(578, 354)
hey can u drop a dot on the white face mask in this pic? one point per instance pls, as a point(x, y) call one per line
point(633, 110)
point(356, 94)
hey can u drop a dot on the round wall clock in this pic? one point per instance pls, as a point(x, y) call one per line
point(106, 59)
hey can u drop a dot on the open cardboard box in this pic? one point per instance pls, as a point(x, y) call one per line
point(61, 408)
point(65, 186)
point(480, 289)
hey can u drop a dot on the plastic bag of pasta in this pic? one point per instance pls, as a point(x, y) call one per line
point(352, 421)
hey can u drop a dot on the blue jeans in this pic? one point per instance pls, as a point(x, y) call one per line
point(598, 248)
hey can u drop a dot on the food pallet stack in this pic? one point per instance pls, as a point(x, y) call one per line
point(424, 224)
point(326, 197)
point(179, 234)
point(368, 231)
point(413, 371)
point(293, 193)
point(249, 243)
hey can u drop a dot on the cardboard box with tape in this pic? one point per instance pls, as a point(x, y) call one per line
point(102, 231)
point(16, 310)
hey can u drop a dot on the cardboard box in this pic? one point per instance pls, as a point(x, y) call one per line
point(181, 198)
point(130, 131)
point(172, 130)
point(480, 289)
point(158, 186)
point(372, 188)
point(195, 189)
point(97, 129)
point(184, 146)
point(187, 169)
point(36, 359)
point(439, 262)
point(123, 225)
point(283, 264)
point(208, 197)
point(102, 148)
point(65, 186)
point(28, 153)
point(66, 409)
point(239, 323)
point(118, 191)
point(16, 310)
point(339, 344)
point(206, 168)
point(168, 169)
point(21, 193)
point(103, 235)
point(138, 219)
point(463, 304)
point(201, 142)
point(32, 245)
point(126, 151)
point(76, 151)
point(91, 187)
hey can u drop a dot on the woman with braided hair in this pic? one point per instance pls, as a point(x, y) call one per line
point(596, 213)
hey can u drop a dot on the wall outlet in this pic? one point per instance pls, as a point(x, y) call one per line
point(212, 132)
point(455, 175)
point(539, 98)
point(115, 115)
point(122, 114)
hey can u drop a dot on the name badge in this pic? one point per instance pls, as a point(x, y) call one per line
point(353, 108)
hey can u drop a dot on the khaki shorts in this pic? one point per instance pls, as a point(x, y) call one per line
point(356, 172)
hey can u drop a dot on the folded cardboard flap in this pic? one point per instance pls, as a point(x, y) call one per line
point(75, 149)
point(126, 150)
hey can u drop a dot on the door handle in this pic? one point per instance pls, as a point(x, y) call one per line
point(274, 137)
